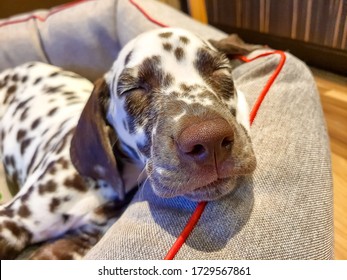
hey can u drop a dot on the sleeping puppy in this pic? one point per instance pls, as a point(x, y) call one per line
point(167, 111)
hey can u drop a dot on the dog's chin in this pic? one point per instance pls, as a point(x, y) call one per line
point(212, 191)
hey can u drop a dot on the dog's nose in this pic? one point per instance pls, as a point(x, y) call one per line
point(207, 142)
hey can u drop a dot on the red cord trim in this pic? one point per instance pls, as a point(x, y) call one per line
point(144, 12)
point(43, 19)
point(181, 239)
point(269, 83)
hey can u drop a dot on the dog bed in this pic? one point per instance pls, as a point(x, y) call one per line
point(283, 211)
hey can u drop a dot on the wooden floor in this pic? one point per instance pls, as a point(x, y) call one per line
point(333, 91)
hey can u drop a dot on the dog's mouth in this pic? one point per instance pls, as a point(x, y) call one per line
point(193, 190)
point(213, 190)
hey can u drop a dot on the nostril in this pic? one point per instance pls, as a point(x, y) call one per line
point(197, 150)
point(227, 143)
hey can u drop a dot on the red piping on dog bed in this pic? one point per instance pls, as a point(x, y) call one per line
point(43, 19)
point(269, 82)
point(181, 239)
point(150, 18)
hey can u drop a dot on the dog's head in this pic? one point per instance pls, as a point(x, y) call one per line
point(170, 99)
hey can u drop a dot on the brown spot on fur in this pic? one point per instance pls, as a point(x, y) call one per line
point(167, 47)
point(24, 145)
point(15, 78)
point(187, 88)
point(2, 84)
point(52, 170)
point(150, 73)
point(65, 218)
point(64, 163)
point(49, 187)
point(24, 114)
point(52, 111)
point(23, 103)
point(35, 123)
point(165, 35)
point(37, 80)
point(76, 183)
point(8, 160)
point(55, 202)
point(9, 93)
point(21, 134)
point(24, 79)
point(55, 89)
point(54, 74)
point(179, 53)
point(184, 40)
point(233, 111)
point(16, 230)
point(24, 211)
point(7, 212)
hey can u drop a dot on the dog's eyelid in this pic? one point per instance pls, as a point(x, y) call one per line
point(223, 69)
point(131, 89)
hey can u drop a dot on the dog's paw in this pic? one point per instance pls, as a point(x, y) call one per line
point(71, 247)
point(13, 239)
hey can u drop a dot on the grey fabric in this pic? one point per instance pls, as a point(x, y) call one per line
point(81, 38)
point(131, 22)
point(284, 211)
point(86, 38)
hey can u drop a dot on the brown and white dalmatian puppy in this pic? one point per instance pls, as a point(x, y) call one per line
point(167, 108)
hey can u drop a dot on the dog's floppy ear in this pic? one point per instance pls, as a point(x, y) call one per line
point(91, 148)
point(234, 45)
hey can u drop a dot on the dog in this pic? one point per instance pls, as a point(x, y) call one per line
point(166, 111)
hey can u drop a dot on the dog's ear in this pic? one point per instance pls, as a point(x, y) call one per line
point(91, 146)
point(234, 45)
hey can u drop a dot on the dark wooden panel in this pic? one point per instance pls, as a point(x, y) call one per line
point(322, 22)
point(323, 57)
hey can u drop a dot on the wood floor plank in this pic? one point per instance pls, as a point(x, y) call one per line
point(333, 93)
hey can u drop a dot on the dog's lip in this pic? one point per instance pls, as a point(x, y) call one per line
point(210, 191)
point(213, 184)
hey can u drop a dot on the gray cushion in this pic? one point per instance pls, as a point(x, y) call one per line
point(284, 211)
